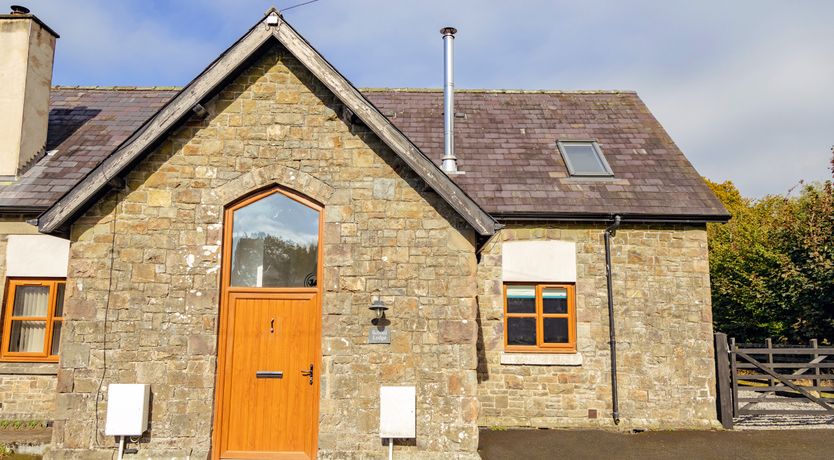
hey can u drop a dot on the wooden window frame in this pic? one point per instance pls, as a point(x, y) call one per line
point(8, 315)
point(541, 346)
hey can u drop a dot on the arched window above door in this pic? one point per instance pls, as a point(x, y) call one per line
point(275, 242)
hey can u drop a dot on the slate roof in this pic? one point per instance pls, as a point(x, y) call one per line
point(85, 125)
point(505, 142)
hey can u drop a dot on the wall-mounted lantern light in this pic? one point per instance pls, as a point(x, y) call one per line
point(379, 308)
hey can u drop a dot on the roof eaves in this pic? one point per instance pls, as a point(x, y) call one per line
point(608, 217)
point(17, 210)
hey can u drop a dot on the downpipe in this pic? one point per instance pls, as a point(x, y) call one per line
point(610, 231)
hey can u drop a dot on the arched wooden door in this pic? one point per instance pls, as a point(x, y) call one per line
point(267, 393)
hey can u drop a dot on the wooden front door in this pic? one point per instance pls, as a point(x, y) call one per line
point(266, 404)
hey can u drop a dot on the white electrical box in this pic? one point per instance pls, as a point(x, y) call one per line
point(127, 409)
point(397, 414)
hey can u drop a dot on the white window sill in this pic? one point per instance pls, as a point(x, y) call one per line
point(541, 359)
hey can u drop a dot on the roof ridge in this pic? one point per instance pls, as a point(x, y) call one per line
point(118, 88)
point(372, 90)
point(500, 91)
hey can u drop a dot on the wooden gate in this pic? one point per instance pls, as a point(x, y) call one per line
point(768, 374)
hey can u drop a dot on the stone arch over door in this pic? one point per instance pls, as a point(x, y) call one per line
point(295, 180)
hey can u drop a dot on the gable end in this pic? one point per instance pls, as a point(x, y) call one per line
point(180, 107)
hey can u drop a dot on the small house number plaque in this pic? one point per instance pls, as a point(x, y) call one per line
point(379, 334)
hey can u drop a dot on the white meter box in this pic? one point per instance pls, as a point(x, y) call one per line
point(397, 414)
point(127, 409)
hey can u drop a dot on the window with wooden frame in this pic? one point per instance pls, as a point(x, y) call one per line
point(539, 318)
point(32, 320)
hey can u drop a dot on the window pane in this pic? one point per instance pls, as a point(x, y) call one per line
point(555, 330)
point(555, 300)
point(56, 336)
point(521, 299)
point(31, 301)
point(27, 336)
point(275, 244)
point(583, 158)
point(59, 301)
point(521, 331)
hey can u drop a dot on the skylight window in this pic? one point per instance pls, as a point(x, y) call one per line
point(584, 158)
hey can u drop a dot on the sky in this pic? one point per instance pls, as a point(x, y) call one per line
point(744, 87)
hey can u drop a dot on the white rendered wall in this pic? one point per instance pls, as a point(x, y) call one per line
point(26, 55)
point(547, 261)
point(41, 256)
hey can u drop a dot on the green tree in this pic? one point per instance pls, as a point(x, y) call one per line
point(806, 235)
point(745, 266)
point(772, 265)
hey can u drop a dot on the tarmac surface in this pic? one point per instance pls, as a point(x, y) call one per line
point(596, 444)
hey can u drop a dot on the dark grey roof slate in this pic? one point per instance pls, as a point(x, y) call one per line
point(505, 142)
point(85, 125)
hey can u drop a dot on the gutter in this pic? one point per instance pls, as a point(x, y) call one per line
point(610, 231)
point(17, 210)
point(608, 217)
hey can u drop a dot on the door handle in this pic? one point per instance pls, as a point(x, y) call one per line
point(308, 374)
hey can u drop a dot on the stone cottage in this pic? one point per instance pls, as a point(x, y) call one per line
point(230, 244)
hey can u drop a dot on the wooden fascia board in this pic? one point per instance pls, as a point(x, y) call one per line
point(196, 91)
point(151, 132)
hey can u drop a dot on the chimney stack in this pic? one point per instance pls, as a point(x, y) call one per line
point(450, 162)
point(27, 50)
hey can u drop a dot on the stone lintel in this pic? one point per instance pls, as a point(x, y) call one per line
point(28, 368)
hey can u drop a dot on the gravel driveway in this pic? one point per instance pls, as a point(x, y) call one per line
point(783, 422)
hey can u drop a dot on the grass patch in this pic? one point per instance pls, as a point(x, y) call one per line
point(22, 425)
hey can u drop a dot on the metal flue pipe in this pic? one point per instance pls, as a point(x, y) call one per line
point(450, 162)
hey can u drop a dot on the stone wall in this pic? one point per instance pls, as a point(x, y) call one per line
point(384, 232)
point(663, 325)
point(27, 390)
